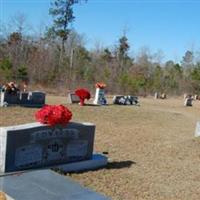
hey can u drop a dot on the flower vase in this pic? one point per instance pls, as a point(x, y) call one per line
point(82, 102)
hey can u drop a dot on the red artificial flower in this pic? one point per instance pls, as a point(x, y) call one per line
point(83, 94)
point(53, 115)
point(100, 85)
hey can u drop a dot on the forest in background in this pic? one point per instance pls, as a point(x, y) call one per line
point(57, 57)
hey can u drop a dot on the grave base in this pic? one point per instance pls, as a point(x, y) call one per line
point(96, 162)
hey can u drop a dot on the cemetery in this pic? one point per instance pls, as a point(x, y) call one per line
point(145, 146)
point(99, 100)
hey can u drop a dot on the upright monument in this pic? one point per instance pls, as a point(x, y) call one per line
point(100, 94)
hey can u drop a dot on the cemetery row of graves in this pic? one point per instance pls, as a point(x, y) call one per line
point(11, 95)
point(151, 149)
point(55, 141)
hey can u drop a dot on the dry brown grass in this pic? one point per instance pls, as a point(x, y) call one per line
point(152, 150)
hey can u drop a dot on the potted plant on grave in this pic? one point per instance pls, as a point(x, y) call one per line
point(83, 94)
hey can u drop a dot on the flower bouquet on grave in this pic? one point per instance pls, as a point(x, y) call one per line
point(100, 85)
point(83, 94)
point(10, 88)
point(53, 115)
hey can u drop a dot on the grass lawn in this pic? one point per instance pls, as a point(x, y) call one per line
point(151, 148)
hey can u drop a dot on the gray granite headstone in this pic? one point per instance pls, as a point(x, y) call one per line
point(31, 99)
point(36, 98)
point(45, 185)
point(35, 145)
point(72, 98)
point(24, 98)
point(12, 98)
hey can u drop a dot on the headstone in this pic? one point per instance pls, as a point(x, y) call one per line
point(35, 145)
point(125, 100)
point(100, 97)
point(2, 99)
point(196, 97)
point(13, 98)
point(73, 98)
point(45, 185)
point(36, 98)
point(24, 98)
point(185, 96)
point(156, 95)
point(163, 96)
point(197, 130)
point(31, 99)
point(188, 101)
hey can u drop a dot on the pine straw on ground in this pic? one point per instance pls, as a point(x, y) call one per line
point(151, 148)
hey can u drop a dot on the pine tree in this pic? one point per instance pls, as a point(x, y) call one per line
point(62, 12)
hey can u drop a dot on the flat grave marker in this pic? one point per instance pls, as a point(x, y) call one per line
point(45, 185)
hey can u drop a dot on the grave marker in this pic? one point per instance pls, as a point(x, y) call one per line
point(188, 101)
point(197, 130)
point(73, 98)
point(45, 185)
point(35, 145)
point(31, 99)
point(36, 98)
point(100, 97)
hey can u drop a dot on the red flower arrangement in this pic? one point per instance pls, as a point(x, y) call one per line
point(83, 94)
point(53, 115)
point(100, 85)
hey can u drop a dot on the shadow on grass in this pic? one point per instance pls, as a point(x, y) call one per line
point(119, 164)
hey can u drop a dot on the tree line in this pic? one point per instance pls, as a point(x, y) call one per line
point(58, 57)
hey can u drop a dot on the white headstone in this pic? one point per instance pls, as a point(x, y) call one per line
point(197, 130)
point(2, 99)
point(100, 97)
point(156, 95)
point(188, 101)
